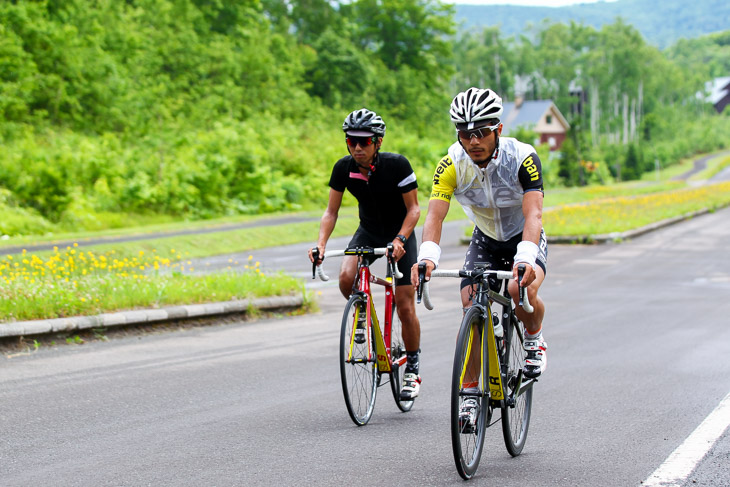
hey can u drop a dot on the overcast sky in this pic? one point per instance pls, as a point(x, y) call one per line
point(535, 3)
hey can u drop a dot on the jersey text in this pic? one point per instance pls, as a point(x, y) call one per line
point(531, 169)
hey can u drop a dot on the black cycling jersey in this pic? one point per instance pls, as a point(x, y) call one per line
point(380, 198)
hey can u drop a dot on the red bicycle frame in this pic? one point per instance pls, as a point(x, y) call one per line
point(382, 335)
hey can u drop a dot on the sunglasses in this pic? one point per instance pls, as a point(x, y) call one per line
point(353, 141)
point(478, 133)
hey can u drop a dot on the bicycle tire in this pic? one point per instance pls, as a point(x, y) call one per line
point(359, 376)
point(467, 445)
point(515, 418)
point(397, 352)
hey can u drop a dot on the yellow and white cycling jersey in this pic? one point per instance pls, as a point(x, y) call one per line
point(491, 196)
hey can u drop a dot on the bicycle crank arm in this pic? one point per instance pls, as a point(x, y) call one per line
point(522, 387)
point(527, 385)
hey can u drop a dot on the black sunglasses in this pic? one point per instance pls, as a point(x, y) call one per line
point(353, 141)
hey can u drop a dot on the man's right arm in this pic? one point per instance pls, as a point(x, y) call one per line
point(327, 223)
point(430, 250)
point(444, 184)
point(437, 210)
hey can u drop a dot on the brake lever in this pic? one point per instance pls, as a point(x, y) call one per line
point(395, 272)
point(421, 280)
point(520, 275)
point(315, 256)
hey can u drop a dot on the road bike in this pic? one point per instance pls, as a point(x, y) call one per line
point(488, 365)
point(370, 350)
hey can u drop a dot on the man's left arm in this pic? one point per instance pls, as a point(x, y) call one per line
point(530, 176)
point(527, 249)
point(532, 209)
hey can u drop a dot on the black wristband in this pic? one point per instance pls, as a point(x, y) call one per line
point(402, 238)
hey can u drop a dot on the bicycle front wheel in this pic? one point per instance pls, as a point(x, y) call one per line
point(358, 364)
point(467, 395)
point(515, 416)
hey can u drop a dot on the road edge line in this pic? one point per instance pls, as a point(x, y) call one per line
point(683, 460)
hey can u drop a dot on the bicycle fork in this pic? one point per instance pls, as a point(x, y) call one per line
point(469, 384)
point(380, 349)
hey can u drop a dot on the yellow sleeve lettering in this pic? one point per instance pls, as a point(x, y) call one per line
point(531, 169)
point(444, 180)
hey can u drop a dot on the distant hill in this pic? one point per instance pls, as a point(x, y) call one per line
point(661, 23)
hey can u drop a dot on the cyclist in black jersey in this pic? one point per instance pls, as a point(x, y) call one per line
point(385, 187)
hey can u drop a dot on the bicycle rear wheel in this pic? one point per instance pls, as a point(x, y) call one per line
point(515, 417)
point(398, 355)
point(358, 364)
point(467, 382)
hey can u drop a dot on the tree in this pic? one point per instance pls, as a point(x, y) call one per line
point(484, 60)
point(569, 163)
point(405, 33)
point(339, 74)
point(631, 168)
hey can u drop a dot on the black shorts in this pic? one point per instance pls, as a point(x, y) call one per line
point(498, 255)
point(363, 238)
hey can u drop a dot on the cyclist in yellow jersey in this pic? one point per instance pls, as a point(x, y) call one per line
point(498, 182)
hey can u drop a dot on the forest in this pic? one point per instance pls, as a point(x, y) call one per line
point(120, 112)
point(660, 23)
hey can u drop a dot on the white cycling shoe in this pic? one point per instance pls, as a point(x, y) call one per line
point(411, 387)
point(536, 360)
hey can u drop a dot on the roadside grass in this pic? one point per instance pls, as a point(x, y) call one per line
point(714, 166)
point(227, 242)
point(199, 245)
point(565, 196)
point(141, 225)
point(625, 213)
point(76, 282)
point(667, 173)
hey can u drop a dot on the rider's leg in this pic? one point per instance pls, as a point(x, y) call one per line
point(405, 305)
point(532, 321)
point(466, 293)
point(406, 308)
point(534, 344)
point(348, 271)
point(474, 364)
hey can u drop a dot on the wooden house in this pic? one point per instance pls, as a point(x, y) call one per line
point(540, 116)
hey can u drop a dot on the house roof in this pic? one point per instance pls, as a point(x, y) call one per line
point(528, 114)
point(718, 88)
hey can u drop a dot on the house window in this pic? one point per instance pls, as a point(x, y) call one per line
point(549, 119)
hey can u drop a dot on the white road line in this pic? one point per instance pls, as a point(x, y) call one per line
point(677, 467)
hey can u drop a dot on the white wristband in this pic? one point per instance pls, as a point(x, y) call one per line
point(430, 251)
point(526, 252)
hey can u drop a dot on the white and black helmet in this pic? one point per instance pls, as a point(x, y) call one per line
point(475, 105)
point(364, 120)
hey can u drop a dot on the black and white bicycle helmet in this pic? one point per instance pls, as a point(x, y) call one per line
point(364, 120)
point(475, 105)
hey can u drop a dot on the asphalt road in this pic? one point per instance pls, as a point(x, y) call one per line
point(637, 334)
